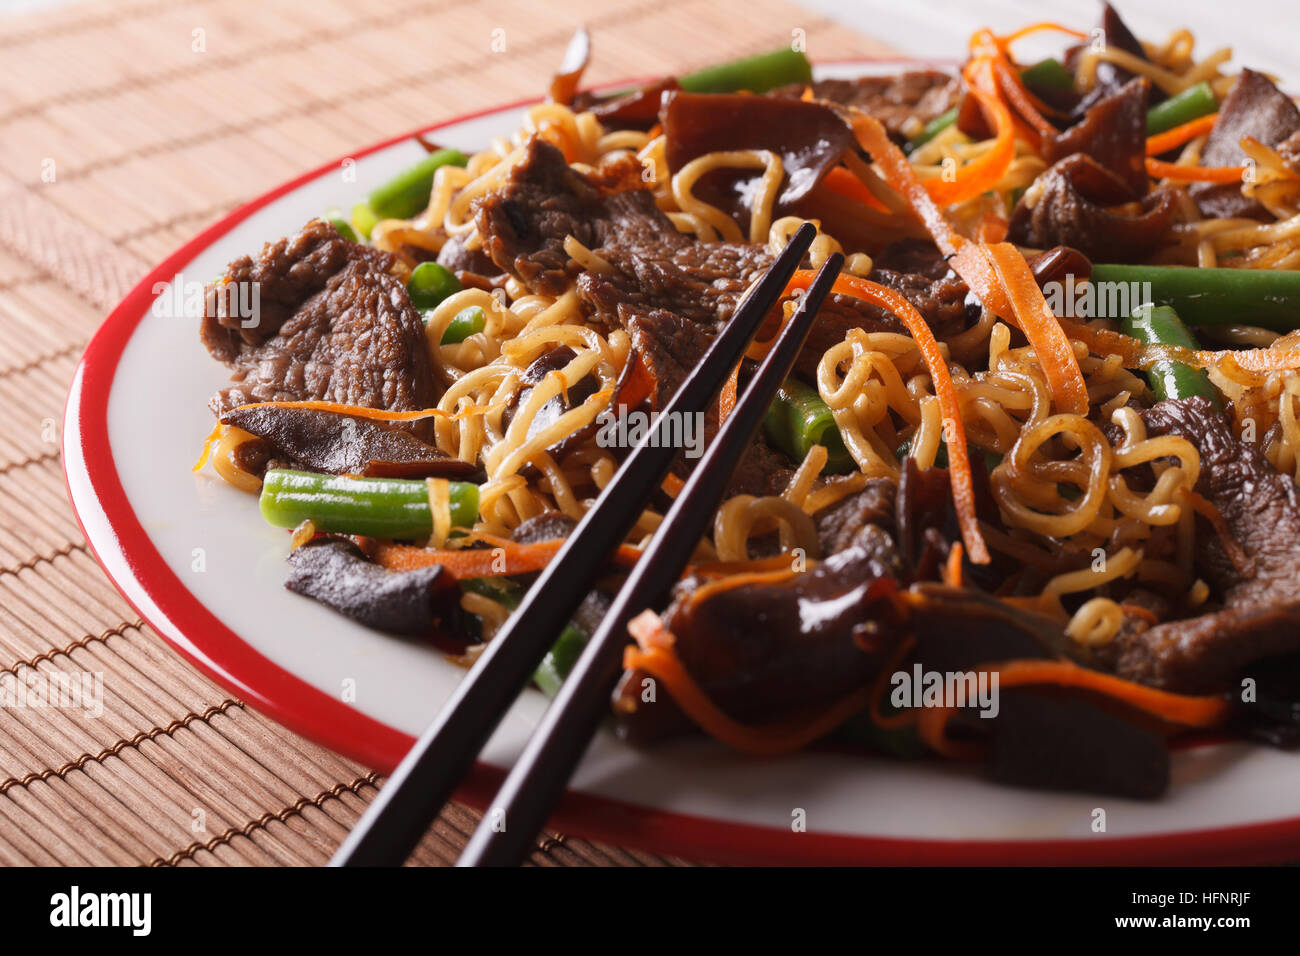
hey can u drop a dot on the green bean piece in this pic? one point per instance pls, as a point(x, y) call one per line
point(341, 225)
point(1160, 325)
point(364, 218)
point(407, 193)
point(559, 660)
point(375, 507)
point(1192, 103)
point(1264, 297)
point(934, 128)
point(1048, 75)
point(797, 419)
point(468, 321)
point(758, 74)
point(430, 283)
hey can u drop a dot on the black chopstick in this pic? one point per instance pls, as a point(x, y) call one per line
point(426, 778)
point(539, 777)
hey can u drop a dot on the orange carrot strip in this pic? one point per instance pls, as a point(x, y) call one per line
point(952, 567)
point(842, 182)
point(1011, 38)
point(1181, 709)
point(1159, 169)
point(982, 174)
point(358, 411)
point(1173, 138)
point(727, 397)
point(503, 559)
point(903, 718)
point(963, 488)
point(657, 658)
point(207, 446)
point(1041, 327)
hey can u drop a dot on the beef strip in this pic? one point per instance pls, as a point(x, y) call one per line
point(1260, 615)
point(1254, 108)
point(843, 525)
point(334, 325)
point(893, 100)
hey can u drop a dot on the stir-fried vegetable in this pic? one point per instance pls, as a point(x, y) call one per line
point(407, 193)
point(430, 283)
point(934, 128)
point(468, 321)
point(1190, 104)
point(559, 660)
point(343, 227)
point(798, 419)
point(1265, 297)
point(376, 507)
point(757, 74)
point(364, 218)
point(1160, 325)
point(1048, 74)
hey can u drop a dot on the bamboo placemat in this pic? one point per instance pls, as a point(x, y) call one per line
point(124, 129)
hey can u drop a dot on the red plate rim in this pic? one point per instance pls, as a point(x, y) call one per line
point(118, 541)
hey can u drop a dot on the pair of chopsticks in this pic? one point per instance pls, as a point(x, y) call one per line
point(444, 753)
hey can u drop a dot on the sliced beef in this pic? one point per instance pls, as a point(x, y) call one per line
point(324, 441)
point(893, 100)
point(335, 325)
point(1256, 577)
point(845, 524)
point(1113, 131)
point(546, 526)
point(461, 260)
point(1080, 205)
point(337, 574)
point(1254, 108)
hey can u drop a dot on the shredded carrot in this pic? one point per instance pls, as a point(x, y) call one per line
point(672, 485)
point(1179, 709)
point(1050, 343)
point(982, 174)
point(952, 567)
point(997, 274)
point(903, 718)
point(213, 435)
point(1011, 38)
point(359, 411)
point(657, 658)
point(1173, 138)
point(1030, 107)
point(503, 559)
point(1159, 169)
point(727, 397)
point(963, 488)
point(842, 182)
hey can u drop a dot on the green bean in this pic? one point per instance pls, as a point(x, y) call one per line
point(798, 419)
point(375, 507)
point(1264, 297)
point(934, 128)
point(430, 283)
point(1160, 325)
point(407, 193)
point(559, 660)
point(364, 218)
point(343, 227)
point(758, 74)
point(468, 321)
point(1048, 74)
point(1192, 103)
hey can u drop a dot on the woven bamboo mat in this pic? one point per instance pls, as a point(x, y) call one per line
point(124, 129)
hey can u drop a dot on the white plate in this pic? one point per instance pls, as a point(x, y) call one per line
point(194, 557)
